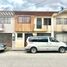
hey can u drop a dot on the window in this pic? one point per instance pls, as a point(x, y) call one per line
point(24, 19)
point(5, 20)
point(19, 35)
point(47, 21)
point(65, 20)
point(44, 40)
point(39, 23)
point(53, 40)
point(20, 19)
point(33, 40)
point(39, 40)
point(59, 21)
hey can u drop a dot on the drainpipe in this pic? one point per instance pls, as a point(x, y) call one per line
point(52, 27)
point(53, 22)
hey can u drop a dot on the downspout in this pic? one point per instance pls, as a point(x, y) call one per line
point(52, 24)
point(52, 27)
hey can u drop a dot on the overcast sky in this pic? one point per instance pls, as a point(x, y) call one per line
point(33, 5)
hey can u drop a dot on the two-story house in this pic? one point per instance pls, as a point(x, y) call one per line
point(16, 26)
point(31, 23)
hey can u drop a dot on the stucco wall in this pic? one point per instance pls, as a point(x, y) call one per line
point(9, 28)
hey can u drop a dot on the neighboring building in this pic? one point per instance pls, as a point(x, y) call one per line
point(6, 27)
point(60, 25)
point(31, 24)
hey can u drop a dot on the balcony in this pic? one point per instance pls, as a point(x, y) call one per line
point(23, 27)
point(1, 27)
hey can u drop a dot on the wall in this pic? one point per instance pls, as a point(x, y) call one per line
point(24, 27)
point(45, 28)
point(61, 27)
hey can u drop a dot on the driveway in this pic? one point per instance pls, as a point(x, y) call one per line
point(23, 59)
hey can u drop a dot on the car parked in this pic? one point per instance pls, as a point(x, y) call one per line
point(44, 43)
point(2, 46)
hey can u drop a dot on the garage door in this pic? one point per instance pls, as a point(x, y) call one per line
point(6, 38)
point(62, 37)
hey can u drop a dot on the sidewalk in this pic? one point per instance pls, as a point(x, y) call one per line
point(15, 49)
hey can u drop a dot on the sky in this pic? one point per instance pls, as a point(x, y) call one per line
point(33, 5)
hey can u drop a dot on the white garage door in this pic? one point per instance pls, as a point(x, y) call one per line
point(62, 37)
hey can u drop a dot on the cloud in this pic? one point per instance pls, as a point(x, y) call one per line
point(64, 1)
point(16, 1)
point(6, 7)
point(31, 5)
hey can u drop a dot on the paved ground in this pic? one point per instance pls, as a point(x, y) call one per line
point(22, 59)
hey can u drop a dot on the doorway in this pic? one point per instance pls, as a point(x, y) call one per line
point(26, 36)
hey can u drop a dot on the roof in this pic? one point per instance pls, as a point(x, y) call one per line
point(36, 13)
point(6, 13)
point(61, 12)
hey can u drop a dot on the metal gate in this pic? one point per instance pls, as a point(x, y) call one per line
point(6, 38)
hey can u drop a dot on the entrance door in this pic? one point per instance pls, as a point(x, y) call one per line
point(26, 36)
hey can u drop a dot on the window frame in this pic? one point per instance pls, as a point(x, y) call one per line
point(59, 22)
point(18, 36)
point(5, 20)
point(24, 19)
point(65, 21)
point(36, 22)
point(47, 21)
point(42, 17)
point(38, 40)
point(40, 25)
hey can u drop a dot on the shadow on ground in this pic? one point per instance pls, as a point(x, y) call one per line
point(45, 52)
